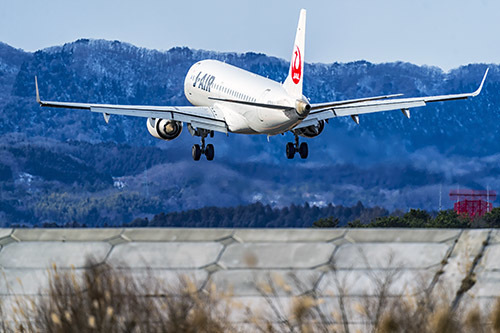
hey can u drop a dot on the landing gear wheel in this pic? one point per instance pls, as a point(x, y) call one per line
point(303, 150)
point(196, 152)
point(210, 152)
point(290, 150)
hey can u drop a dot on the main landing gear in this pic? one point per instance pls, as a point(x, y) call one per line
point(207, 150)
point(292, 148)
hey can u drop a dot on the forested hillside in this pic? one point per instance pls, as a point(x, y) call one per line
point(63, 166)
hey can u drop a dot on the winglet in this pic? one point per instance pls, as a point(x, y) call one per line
point(475, 93)
point(37, 93)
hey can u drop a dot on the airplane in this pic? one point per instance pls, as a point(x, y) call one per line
point(228, 99)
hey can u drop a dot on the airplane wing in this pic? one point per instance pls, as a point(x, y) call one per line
point(199, 117)
point(354, 108)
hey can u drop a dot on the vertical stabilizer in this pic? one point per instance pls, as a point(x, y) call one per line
point(293, 83)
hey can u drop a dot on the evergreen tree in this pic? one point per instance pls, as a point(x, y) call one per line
point(417, 218)
point(328, 222)
point(492, 219)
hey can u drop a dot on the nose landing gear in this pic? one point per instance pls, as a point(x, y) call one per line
point(292, 148)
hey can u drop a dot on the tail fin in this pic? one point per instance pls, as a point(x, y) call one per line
point(293, 83)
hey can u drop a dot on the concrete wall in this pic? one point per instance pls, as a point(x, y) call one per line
point(317, 261)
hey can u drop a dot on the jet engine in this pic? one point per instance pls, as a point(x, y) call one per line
point(311, 131)
point(164, 129)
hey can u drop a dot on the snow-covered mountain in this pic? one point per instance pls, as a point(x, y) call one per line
point(387, 160)
point(115, 72)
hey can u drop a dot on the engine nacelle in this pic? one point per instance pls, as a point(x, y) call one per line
point(164, 129)
point(311, 131)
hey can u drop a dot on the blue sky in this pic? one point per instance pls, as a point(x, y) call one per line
point(443, 33)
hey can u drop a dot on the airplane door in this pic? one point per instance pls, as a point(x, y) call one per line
point(265, 99)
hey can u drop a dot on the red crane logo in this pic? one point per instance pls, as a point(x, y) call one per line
point(296, 66)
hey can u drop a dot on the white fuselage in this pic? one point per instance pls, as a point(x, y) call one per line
point(214, 79)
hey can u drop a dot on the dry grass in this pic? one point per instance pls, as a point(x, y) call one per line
point(105, 299)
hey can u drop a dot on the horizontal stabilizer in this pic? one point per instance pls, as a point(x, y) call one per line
point(351, 101)
point(261, 105)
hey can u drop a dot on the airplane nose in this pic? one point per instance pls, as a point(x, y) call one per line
point(302, 108)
